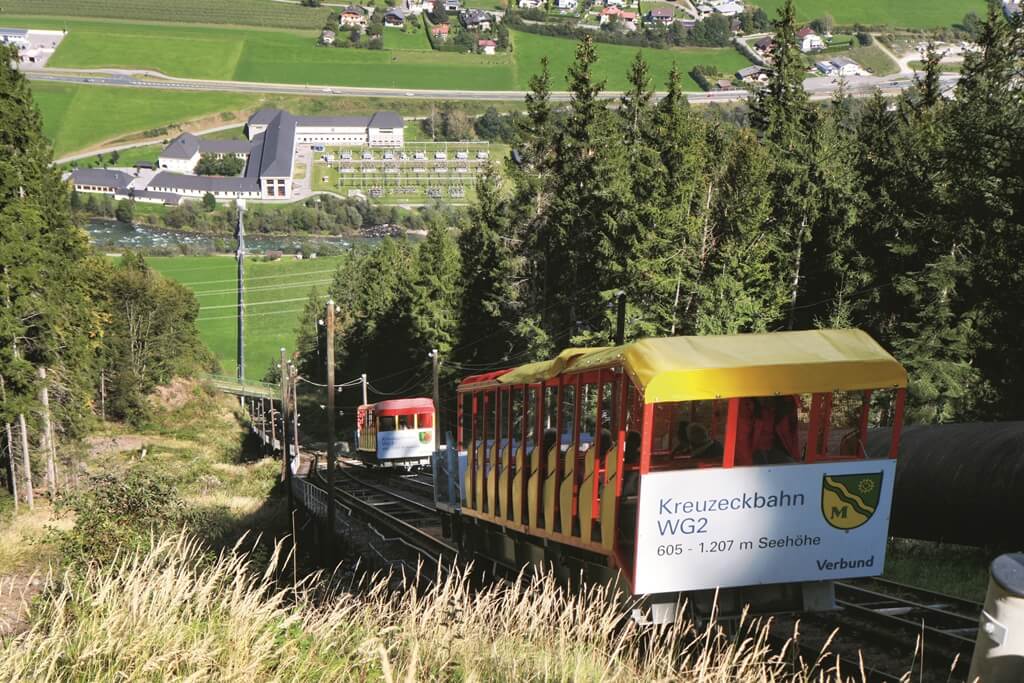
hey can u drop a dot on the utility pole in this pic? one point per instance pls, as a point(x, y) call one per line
point(620, 318)
point(241, 294)
point(364, 389)
point(330, 417)
point(295, 408)
point(47, 440)
point(286, 474)
point(26, 463)
point(10, 446)
point(436, 363)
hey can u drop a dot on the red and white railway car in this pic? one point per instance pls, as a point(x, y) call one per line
point(398, 432)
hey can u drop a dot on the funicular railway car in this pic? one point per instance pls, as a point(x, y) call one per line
point(696, 469)
point(396, 433)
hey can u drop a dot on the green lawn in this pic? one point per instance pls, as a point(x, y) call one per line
point(291, 57)
point(268, 326)
point(76, 117)
point(244, 12)
point(614, 60)
point(874, 59)
point(397, 39)
point(894, 13)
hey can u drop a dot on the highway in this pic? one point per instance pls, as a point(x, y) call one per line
point(819, 88)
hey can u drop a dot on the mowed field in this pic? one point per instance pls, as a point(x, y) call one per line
point(243, 12)
point(893, 13)
point(228, 53)
point(276, 293)
point(76, 117)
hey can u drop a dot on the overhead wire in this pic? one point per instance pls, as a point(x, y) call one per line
point(264, 277)
point(262, 303)
point(261, 288)
point(248, 315)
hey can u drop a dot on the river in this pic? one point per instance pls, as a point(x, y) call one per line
point(114, 236)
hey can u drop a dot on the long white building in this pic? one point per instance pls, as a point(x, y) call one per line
point(269, 152)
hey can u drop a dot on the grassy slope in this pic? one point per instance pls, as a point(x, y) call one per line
point(268, 327)
point(244, 12)
point(293, 57)
point(901, 14)
point(76, 117)
point(614, 60)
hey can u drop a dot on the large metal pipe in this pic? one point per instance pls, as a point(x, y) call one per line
point(958, 483)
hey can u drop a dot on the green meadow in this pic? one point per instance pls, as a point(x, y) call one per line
point(272, 310)
point(914, 14)
point(229, 53)
point(77, 117)
point(243, 12)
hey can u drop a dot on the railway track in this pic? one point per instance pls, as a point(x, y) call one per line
point(406, 527)
point(894, 626)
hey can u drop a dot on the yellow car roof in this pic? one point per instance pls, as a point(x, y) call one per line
point(673, 369)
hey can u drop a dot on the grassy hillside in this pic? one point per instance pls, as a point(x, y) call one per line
point(269, 326)
point(292, 57)
point(902, 14)
point(244, 12)
point(77, 117)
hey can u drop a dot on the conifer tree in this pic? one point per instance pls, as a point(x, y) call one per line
point(489, 304)
point(46, 314)
point(437, 290)
point(780, 111)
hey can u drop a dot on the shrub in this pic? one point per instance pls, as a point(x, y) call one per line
point(115, 514)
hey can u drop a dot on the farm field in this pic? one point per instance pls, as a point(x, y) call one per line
point(77, 117)
point(396, 39)
point(244, 12)
point(920, 14)
point(287, 57)
point(268, 326)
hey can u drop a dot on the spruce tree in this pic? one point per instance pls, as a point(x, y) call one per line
point(46, 313)
point(489, 305)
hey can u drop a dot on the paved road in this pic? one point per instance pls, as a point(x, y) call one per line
point(820, 88)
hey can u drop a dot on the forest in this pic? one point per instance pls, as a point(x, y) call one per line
point(103, 333)
point(901, 216)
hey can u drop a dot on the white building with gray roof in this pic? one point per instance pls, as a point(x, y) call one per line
point(269, 154)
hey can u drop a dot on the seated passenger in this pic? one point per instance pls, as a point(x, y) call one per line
point(775, 431)
point(631, 465)
point(683, 445)
point(702, 447)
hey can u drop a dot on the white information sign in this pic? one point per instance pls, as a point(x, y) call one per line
point(743, 526)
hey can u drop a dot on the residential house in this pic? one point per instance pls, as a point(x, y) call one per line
point(608, 13)
point(660, 15)
point(846, 67)
point(475, 20)
point(809, 41)
point(487, 46)
point(753, 74)
point(18, 37)
point(729, 9)
point(417, 7)
point(394, 18)
point(353, 16)
point(327, 37)
point(566, 5)
point(765, 45)
point(440, 31)
point(452, 5)
point(614, 3)
point(530, 4)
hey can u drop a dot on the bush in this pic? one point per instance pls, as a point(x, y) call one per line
point(114, 514)
point(227, 165)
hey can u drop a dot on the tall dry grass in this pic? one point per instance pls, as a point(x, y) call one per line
point(171, 613)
